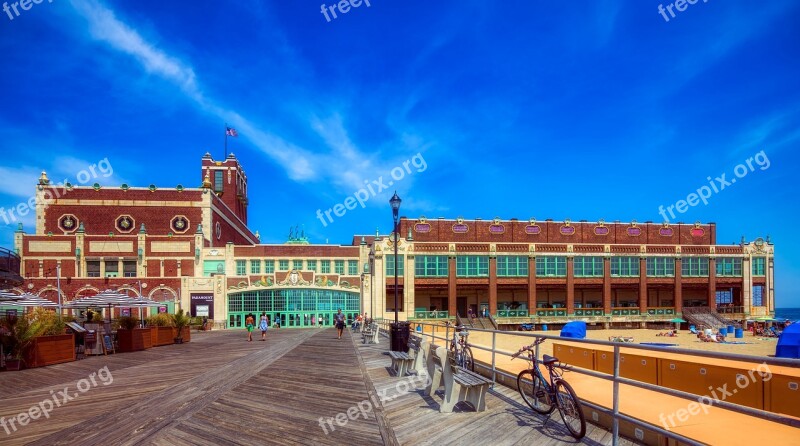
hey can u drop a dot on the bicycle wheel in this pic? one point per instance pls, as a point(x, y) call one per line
point(534, 391)
point(570, 408)
point(469, 362)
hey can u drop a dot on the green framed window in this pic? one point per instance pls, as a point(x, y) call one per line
point(297, 264)
point(551, 266)
point(209, 267)
point(694, 266)
point(729, 267)
point(326, 266)
point(338, 266)
point(472, 266)
point(390, 265)
point(431, 266)
point(660, 266)
point(269, 266)
point(625, 266)
point(241, 267)
point(588, 266)
point(283, 265)
point(512, 266)
point(255, 266)
point(759, 267)
point(311, 265)
point(352, 267)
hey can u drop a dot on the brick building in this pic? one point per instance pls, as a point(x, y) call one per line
point(191, 248)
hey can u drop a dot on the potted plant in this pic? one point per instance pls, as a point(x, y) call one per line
point(19, 336)
point(180, 321)
point(50, 343)
point(161, 329)
point(130, 337)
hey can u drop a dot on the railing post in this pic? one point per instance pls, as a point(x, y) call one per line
point(615, 414)
point(494, 353)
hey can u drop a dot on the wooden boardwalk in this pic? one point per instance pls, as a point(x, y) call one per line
point(414, 418)
point(302, 386)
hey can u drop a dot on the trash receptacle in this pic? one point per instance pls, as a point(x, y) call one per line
point(399, 333)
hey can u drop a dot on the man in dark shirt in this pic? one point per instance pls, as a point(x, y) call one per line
point(338, 321)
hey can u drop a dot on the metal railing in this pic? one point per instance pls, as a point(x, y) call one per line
point(615, 376)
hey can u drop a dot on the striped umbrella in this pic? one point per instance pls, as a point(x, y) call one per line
point(30, 300)
point(6, 296)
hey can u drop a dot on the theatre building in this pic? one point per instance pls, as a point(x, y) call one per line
point(191, 248)
point(549, 271)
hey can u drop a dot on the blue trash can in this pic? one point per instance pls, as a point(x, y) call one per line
point(544, 327)
point(739, 333)
point(730, 329)
point(723, 332)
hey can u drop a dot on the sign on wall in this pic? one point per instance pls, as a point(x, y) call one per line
point(202, 305)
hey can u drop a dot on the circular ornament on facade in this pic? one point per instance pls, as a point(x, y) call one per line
point(125, 224)
point(179, 224)
point(68, 223)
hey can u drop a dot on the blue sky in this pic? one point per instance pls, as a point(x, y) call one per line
point(580, 110)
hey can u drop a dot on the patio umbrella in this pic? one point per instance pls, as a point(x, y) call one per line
point(677, 320)
point(29, 300)
point(6, 296)
point(106, 298)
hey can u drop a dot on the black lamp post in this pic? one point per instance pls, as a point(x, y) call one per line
point(372, 281)
point(395, 202)
point(399, 332)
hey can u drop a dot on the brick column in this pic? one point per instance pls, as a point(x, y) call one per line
point(570, 286)
point(643, 285)
point(451, 286)
point(492, 286)
point(712, 283)
point(532, 286)
point(607, 285)
point(678, 293)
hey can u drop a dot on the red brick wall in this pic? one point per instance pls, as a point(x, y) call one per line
point(298, 251)
point(514, 232)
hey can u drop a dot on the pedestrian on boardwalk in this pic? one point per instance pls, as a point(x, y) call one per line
point(338, 320)
point(249, 323)
point(264, 325)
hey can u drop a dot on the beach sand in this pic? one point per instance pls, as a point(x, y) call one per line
point(512, 341)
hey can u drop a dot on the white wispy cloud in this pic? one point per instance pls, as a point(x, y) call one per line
point(104, 26)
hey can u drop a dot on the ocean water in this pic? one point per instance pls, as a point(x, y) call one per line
point(793, 314)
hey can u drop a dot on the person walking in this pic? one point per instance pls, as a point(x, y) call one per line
point(249, 323)
point(264, 326)
point(338, 320)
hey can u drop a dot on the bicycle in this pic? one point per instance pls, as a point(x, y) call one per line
point(543, 396)
point(460, 350)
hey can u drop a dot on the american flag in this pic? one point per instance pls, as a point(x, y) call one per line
point(230, 131)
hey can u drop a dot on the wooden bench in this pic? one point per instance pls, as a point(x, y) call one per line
point(461, 385)
point(370, 334)
point(402, 363)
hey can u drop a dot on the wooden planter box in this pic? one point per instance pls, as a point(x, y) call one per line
point(187, 333)
point(49, 350)
point(162, 336)
point(134, 340)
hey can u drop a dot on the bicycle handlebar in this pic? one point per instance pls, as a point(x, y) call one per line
point(528, 348)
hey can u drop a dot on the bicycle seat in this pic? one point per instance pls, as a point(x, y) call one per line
point(549, 360)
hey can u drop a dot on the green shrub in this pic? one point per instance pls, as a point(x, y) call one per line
point(128, 322)
point(160, 320)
